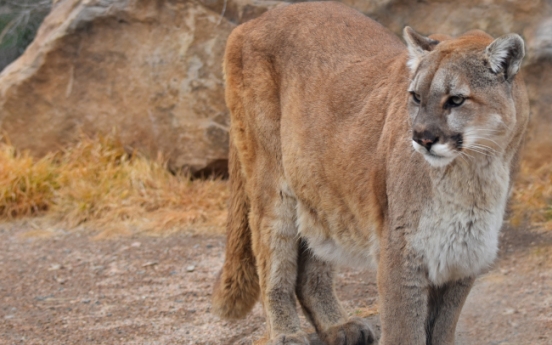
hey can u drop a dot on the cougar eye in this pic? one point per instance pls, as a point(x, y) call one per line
point(456, 101)
point(415, 97)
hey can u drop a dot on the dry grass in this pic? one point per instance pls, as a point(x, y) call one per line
point(532, 197)
point(96, 184)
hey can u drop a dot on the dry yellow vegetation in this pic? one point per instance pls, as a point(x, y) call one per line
point(532, 197)
point(96, 184)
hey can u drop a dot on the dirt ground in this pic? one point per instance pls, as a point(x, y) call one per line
point(68, 288)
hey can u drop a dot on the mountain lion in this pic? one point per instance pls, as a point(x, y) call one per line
point(347, 146)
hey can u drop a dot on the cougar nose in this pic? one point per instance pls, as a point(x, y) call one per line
point(425, 138)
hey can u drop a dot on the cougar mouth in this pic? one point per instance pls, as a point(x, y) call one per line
point(438, 155)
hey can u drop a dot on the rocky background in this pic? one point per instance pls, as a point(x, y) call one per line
point(150, 70)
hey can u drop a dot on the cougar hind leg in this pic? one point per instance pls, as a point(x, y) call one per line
point(316, 293)
point(276, 247)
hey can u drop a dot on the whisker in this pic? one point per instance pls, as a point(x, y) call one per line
point(483, 138)
point(483, 147)
point(475, 138)
point(485, 153)
point(465, 154)
point(480, 146)
point(482, 130)
point(486, 148)
point(481, 153)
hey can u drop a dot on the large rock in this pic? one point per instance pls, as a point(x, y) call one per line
point(151, 69)
point(538, 76)
point(240, 11)
point(496, 17)
point(148, 69)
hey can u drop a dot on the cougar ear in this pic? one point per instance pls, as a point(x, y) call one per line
point(418, 46)
point(505, 54)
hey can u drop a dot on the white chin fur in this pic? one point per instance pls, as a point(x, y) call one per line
point(439, 156)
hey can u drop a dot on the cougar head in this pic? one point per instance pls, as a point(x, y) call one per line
point(460, 94)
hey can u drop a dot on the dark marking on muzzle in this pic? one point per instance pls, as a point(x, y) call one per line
point(425, 138)
point(458, 140)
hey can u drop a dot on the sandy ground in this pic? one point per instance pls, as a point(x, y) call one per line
point(68, 288)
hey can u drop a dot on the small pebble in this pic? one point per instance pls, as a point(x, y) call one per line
point(55, 267)
point(190, 268)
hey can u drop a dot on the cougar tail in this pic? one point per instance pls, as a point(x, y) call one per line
point(237, 286)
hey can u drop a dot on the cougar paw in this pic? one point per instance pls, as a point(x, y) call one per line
point(299, 338)
point(356, 331)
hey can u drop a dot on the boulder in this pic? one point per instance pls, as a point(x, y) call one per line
point(240, 11)
point(149, 70)
point(495, 17)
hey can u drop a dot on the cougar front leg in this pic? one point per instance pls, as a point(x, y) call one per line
point(445, 304)
point(276, 246)
point(403, 291)
point(316, 293)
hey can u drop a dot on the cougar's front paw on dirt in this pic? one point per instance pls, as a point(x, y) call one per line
point(354, 332)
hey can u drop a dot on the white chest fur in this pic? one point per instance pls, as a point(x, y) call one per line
point(458, 230)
